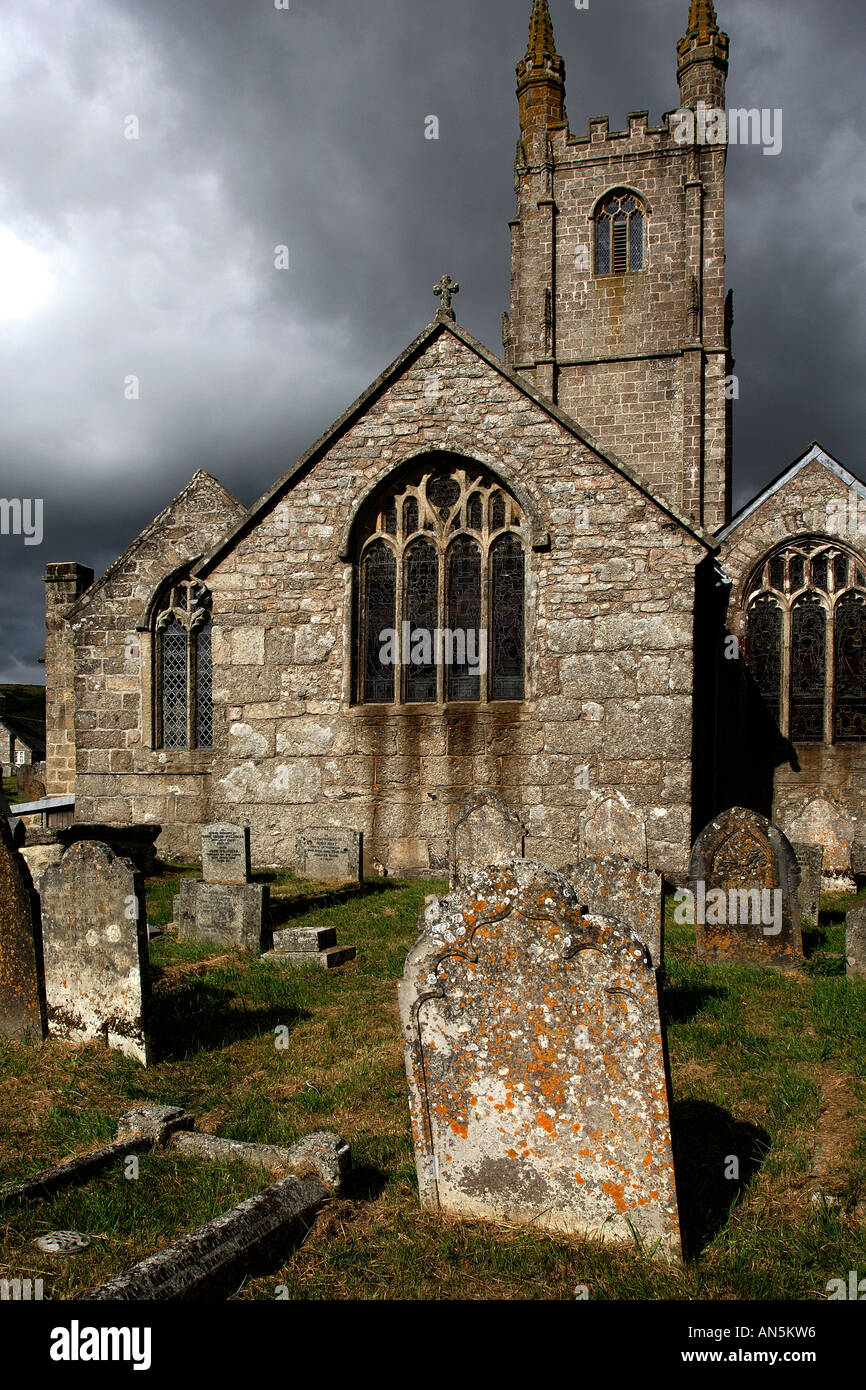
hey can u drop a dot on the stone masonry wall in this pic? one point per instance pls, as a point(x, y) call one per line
point(609, 633)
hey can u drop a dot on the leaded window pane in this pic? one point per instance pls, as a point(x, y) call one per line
point(808, 670)
point(422, 614)
point(850, 623)
point(777, 573)
point(203, 687)
point(819, 571)
point(765, 651)
point(797, 572)
point(410, 516)
point(840, 571)
point(174, 684)
point(602, 246)
point(463, 633)
point(635, 234)
point(378, 635)
point(475, 513)
point(497, 512)
point(507, 619)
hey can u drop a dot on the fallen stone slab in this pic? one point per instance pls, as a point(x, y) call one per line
point(328, 959)
point(247, 1239)
point(324, 1155)
point(78, 1169)
point(304, 939)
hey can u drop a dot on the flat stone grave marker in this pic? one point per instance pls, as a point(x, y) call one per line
point(617, 886)
point(744, 877)
point(329, 852)
point(809, 858)
point(533, 1045)
point(855, 941)
point(95, 947)
point(488, 832)
point(22, 997)
point(225, 853)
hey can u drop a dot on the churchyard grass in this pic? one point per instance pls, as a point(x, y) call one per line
point(767, 1068)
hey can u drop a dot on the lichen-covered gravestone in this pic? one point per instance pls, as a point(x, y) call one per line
point(329, 852)
point(826, 821)
point(487, 832)
point(22, 1003)
point(533, 1045)
point(610, 825)
point(94, 935)
point(617, 886)
point(855, 941)
point(809, 858)
point(223, 909)
point(744, 878)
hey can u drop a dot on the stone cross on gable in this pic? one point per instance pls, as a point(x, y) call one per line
point(444, 290)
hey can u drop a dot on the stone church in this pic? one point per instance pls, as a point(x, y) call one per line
point(511, 576)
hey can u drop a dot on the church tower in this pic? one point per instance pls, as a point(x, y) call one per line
point(618, 309)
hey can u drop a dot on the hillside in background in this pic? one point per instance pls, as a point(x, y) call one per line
point(25, 701)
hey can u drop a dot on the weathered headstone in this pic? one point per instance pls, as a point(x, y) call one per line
point(95, 947)
point(826, 821)
point(487, 832)
point(609, 824)
point(224, 914)
point(744, 878)
point(22, 1000)
point(309, 946)
point(329, 852)
point(533, 1046)
point(855, 941)
point(225, 853)
point(809, 858)
point(136, 843)
point(617, 886)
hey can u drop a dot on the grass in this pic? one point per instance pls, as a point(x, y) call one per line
point(767, 1068)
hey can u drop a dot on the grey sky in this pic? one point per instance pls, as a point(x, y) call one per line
point(305, 127)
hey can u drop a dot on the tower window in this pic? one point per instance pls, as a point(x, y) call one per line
point(806, 624)
point(619, 234)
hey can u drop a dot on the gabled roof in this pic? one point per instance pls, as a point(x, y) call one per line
point(814, 454)
point(27, 731)
point(96, 588)
point(439, 325)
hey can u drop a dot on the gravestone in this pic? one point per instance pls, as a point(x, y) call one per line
point(233, 915)
point(225, 853)
point(487, 832)
point(329, 852)
point(94, 936)
point(855, 941)
point(136, 843)
point(609, 824)
point(826, 821)
point(617, 886)
point(22, 1000)
point(533, 1045)
point(809, 858)
point(744, 876)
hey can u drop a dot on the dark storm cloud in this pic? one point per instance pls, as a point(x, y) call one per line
point(305, 127)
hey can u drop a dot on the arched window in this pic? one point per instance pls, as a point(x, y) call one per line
point(806, 639)
point(183, 684)
point(440, 610)
point(619, 233)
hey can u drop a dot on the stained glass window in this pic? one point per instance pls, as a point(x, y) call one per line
point(806, 625)
point(808, 669)
point(765, 650)
point(508, 625)
point(850, 652)
point(619, 234)
point(445, 589)
point(184, 672)
point(422, 616)
point(379, 598)
point(467, 660)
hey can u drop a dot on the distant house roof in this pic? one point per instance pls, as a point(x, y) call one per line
point(30, 732)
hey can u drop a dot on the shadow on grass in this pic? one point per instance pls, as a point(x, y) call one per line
point(706, 1140)
point(682, 1003)
point(199, 1017)
point(285, 909)
point(364, 1184)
